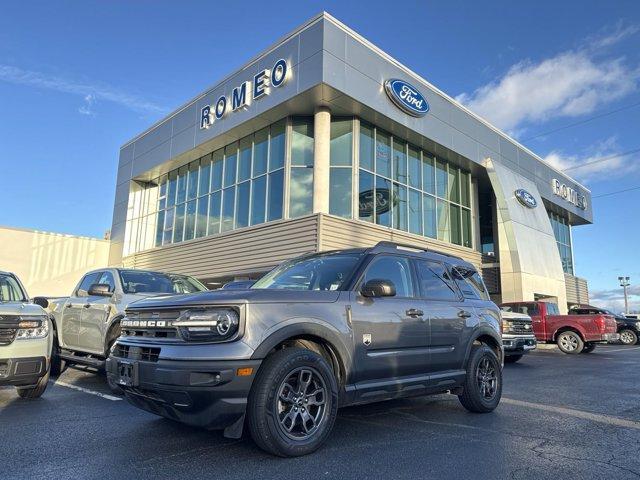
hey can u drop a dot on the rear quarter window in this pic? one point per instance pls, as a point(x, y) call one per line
point(470, 283)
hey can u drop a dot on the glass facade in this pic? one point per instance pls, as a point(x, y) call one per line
point(268, 175)
point(404, 187)
point(236, 186)
point(562, 232)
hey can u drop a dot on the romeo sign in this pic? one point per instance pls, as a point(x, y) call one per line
point(242, 95)
point(571, 195)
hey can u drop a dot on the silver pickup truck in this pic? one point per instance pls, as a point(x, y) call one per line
point(87, 323)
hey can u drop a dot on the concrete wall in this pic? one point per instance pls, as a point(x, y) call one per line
point(50, 264)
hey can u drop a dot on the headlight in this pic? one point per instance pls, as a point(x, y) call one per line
point(507, 326)
point(638, 325)
point(208, 324)
point(36, 326)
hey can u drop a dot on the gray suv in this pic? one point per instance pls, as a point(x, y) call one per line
point(318, 332)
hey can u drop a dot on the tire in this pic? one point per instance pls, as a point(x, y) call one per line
point(478, 396)
point(628, 337)
point(58, 365)
point(277, 425)
point(35, 391)
point(589, 347)
point(512, 358)
point(569, 342)
point(113, 386)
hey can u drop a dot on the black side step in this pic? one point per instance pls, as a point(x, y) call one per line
point(88, 361)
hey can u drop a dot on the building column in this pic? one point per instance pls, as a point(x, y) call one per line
point(321, 159)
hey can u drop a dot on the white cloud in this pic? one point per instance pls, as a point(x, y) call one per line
point(604, 158)
point(86, 108)
point(569, 84)
point(614, 299)
point(90, 92)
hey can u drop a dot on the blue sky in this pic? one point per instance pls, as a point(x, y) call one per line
point(78, 79)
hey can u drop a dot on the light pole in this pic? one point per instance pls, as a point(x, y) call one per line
point(624, 283)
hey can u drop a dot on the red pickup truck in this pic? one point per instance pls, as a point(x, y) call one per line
point(572, 333)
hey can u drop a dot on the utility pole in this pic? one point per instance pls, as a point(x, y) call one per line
point(624, 283)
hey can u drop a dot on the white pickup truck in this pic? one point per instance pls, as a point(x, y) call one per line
point(87, 323)
point(25, 340)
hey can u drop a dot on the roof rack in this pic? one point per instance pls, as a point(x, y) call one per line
point(385, 244)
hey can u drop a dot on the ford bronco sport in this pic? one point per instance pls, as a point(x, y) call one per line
point(25, 342)
point(87, 323)
point(318, 332)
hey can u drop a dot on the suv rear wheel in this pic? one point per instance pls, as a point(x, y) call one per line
point(482, 388)
point(569, 342)
point(628, 337)
point(293, 403)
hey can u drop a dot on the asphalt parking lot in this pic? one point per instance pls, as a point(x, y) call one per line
point(562, 416)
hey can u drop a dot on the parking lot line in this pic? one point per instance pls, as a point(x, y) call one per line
point(113, 398)
point(594, 417)
point(626, 349)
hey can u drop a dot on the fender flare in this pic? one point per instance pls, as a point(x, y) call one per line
point(302, 329)
point(113, 321)
point(479, 332)
point(565, 328)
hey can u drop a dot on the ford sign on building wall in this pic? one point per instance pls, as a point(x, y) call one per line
point(323, 141)
point(406, 97)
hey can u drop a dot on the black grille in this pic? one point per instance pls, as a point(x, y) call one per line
point(148, 324)
point(8, 329)
point(145, 354)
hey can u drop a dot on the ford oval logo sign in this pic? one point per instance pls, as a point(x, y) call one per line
point(406, 97)
point(526, 199)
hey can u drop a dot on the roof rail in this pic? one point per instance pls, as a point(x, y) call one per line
point(385, 244)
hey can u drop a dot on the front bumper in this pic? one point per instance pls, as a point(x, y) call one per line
point(518, 344)
point(202, 393)
point(22, 372)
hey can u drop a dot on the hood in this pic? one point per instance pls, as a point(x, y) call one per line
point(514, 316)
point(17, 308)
point(224, 297)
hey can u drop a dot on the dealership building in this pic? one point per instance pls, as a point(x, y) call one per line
point(323, 141)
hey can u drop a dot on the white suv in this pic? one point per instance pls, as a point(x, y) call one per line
point(25, 340)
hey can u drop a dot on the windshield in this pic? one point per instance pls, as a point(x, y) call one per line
point(320, 272)
point(136, 281)
point(10, 290)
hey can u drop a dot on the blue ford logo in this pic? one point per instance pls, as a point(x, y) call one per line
point(406, 97)
point(525, 198)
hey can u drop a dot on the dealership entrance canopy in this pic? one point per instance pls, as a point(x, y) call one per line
point(322, 142)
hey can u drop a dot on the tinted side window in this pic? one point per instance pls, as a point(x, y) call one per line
point(107, 279)
point(470, 283)
point(552, 309)
point(394, 269)
point(435, 281)
point(87, 281)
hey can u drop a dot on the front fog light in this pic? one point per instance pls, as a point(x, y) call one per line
point(32, 327)
point(204, 325)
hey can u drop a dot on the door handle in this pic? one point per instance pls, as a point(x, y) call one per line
point(414, 312)
point(464, 314)
point(87, 305)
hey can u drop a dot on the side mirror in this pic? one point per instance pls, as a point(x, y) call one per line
point(42, 301)
point(378, 288)
point(100, 290)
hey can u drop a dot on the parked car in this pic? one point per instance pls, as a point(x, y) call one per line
point(628, 328)
point(320, 331)
point(572, 333)
point(517, 335)
point(87, 323)
point(25, 340)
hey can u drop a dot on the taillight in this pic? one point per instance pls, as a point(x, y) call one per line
point(602, 323)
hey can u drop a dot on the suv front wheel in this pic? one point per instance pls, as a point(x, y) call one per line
point(482, 388)
point(293, 403)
